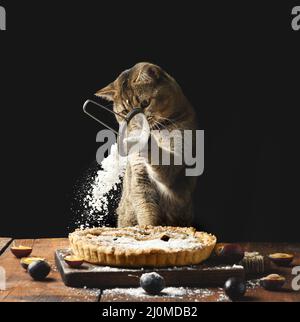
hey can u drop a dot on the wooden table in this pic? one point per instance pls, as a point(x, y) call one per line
point(21, 288)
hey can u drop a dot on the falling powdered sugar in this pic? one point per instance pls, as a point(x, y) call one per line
point(106, 180)
point(98, 191)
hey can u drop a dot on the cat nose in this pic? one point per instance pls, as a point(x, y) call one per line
point(145, 104)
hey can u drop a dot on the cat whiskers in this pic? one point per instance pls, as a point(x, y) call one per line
point(172, 122)
point(157, 125)
point(152, 122)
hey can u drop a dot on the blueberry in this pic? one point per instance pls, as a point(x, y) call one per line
point(152, 283)
point(39, 270)
point(165, 238)
point(235, 288)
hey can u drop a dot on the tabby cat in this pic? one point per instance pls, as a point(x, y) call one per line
point(153, 194)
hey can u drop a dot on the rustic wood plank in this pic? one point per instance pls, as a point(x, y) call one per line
point(171, 294)
point(198, 295)
point(254, 292)
point(4, 242)
point(107, 277)
point(258, 294)
point(21, 288)
point(287, 294)
point(268, 248)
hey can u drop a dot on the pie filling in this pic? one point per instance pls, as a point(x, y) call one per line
point(132, 243)
point(138, 238)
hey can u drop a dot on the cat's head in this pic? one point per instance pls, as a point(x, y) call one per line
point(147, 86)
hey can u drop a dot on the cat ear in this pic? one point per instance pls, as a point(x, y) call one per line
point(148, 74)
point(107, 92)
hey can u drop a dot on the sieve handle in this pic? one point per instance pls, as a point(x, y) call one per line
point(133, 113)
point(95, 118)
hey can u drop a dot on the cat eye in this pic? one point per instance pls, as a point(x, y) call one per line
point(145, 103)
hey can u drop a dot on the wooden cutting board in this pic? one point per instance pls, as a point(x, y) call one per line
point(93, 276)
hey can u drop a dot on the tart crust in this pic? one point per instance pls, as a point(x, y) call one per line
point(142, 246)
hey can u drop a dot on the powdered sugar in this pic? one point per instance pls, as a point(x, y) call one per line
point(182, 293)
point(133, 244)
point(254, 283)
point(100, 193)
point(222, 297)
point(226, 267)
point(167, 292)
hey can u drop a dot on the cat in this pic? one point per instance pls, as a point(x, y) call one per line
point(153, 194)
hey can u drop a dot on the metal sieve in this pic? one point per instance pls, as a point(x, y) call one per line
point(127, 118)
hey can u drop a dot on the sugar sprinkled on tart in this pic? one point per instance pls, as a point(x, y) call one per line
point(142, 246)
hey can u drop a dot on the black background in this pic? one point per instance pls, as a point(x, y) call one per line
point(234, 61)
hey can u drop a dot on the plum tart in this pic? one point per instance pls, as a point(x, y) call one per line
point(140, 246)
